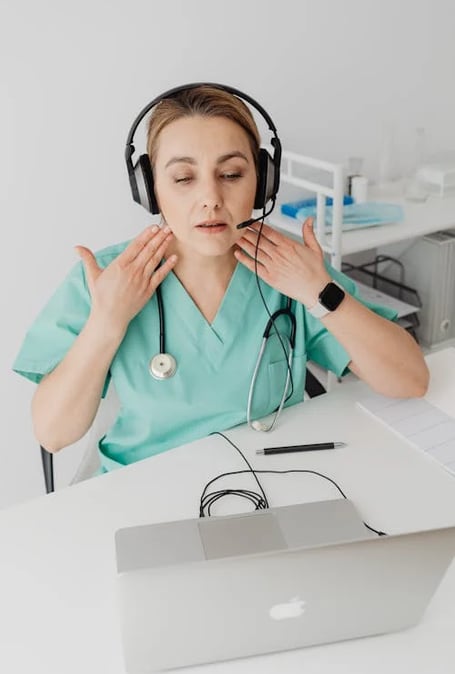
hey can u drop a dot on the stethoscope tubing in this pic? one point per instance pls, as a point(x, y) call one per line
point(290, 342)
point(262, 426)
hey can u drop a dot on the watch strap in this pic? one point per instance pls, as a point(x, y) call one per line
point(319, 310)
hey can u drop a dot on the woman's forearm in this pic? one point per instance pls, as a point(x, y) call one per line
point(383, 354)
point(67, 399)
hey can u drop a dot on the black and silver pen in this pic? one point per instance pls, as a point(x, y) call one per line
point(301, 448)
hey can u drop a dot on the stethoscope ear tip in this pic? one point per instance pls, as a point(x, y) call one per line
point(259, 426)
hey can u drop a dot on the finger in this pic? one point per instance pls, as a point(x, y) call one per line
point(250, 264)
point(160, 274)
point(270, 233)
point(155, 258)
point(264, 244)
point(92, 269)
point(254, 251)
point(309, 237)
point(136, 245)
point(151, 248)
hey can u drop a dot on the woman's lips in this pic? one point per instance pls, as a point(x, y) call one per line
point(211, 226)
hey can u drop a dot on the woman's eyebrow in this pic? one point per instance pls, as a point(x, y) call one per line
point(220, 160)
point(231, 155)
point(183, 160)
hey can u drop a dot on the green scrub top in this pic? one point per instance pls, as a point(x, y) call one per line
point(215, 362)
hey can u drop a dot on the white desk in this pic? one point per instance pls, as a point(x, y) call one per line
point(57, 582)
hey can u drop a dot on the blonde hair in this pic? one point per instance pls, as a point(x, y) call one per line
point(205, 101)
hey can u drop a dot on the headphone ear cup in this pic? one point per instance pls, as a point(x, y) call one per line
point(142, 185)
point(266, 179)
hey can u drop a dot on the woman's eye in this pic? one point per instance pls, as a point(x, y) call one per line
point(232, 176)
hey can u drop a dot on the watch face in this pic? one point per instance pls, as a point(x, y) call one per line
point(331, 296)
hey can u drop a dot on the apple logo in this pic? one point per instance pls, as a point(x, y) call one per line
point(293, 608)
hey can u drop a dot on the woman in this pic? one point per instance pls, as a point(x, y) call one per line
point(102, 322)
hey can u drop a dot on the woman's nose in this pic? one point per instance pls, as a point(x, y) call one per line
point(211, 194)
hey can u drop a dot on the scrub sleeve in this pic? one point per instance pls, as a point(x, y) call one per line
point(55, 328)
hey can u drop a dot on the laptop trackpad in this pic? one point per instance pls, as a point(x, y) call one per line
point(243, 535)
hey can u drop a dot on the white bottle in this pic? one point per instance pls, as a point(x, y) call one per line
point(386, 169)
point(359, 185)
point(414, 188)
point(419, 150)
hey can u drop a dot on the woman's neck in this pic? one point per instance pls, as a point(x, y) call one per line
point(205, 279)
point(194, 269)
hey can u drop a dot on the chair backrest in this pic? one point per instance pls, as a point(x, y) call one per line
point(47, 459)
point(105, 417)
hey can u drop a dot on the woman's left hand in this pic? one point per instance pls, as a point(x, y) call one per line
point(294, 269)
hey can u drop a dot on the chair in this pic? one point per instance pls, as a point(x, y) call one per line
point(47, 459)
point(106, 416)
point(313, 386)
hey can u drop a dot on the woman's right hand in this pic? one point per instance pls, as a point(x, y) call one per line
point(121, 290)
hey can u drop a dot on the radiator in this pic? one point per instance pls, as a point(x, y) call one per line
point(430, 268)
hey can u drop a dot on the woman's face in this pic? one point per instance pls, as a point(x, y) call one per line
point(205, 182)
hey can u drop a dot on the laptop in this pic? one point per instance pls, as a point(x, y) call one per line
point(204, 590)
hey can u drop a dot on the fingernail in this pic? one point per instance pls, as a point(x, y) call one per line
point(166, 229)
point(154, 229)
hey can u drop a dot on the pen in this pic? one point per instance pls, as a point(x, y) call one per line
point(301, 448)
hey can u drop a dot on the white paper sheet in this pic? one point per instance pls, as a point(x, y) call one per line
point(427, 423)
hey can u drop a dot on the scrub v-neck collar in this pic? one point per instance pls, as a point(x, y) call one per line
point(222, 331)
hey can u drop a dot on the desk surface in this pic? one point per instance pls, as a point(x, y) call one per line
point(57, 583)
point(419, 219)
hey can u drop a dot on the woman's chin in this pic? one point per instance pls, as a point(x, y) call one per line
point(213, 245)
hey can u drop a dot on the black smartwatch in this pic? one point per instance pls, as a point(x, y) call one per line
point(329, 299)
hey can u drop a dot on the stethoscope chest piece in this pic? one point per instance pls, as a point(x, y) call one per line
point(162, 366)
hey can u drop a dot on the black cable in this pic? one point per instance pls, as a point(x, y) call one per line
point(260, 501)
point(159, 299)
point(289, 369)
point(247, 463)
point(243, 493)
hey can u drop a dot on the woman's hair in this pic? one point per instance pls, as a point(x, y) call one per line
point(205, 101)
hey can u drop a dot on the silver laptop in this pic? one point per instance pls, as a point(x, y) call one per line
point(204, 590)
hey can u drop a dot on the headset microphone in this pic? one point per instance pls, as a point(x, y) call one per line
point(249, 222)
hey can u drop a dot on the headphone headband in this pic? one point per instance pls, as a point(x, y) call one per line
point(141, 176)
point(176, 90)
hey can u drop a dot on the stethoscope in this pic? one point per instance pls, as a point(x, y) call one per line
point(163, 365)
point(287, 311)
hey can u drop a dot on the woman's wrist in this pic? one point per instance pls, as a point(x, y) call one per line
point(105, 328)
point(311, 297)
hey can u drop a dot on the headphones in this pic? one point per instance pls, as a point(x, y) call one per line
point(140, 174)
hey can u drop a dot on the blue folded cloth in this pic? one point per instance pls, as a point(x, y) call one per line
point(291, 208)
point(356, 216)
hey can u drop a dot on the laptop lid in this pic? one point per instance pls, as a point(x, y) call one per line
point(197, 591)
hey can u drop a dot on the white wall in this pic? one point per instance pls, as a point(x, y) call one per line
point(74, 75)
